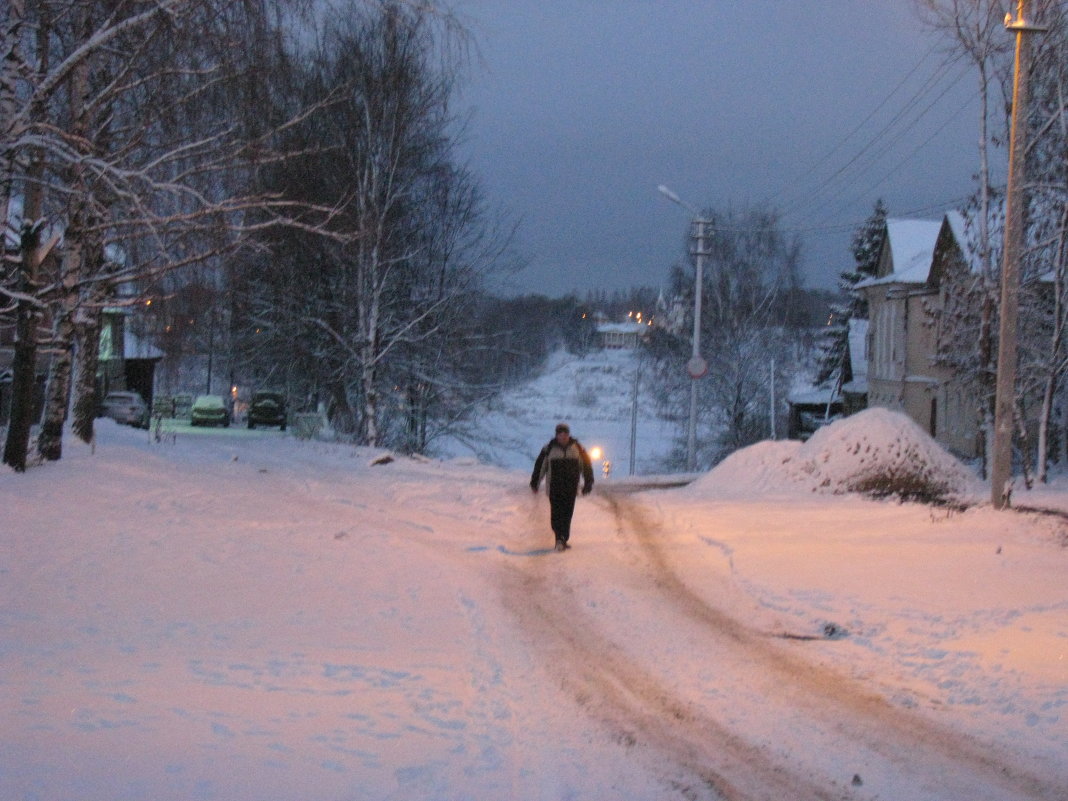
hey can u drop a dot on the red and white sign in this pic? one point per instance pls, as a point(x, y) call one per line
point(697, 367)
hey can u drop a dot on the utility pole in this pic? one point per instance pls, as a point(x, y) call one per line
point(634, 411)
point(1005, 387)
point(771, 403)
point(696, 367)
point(211, 347)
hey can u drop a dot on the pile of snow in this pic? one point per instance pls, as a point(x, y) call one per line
point(875, 452)
point(880, 452)
point(761, 469)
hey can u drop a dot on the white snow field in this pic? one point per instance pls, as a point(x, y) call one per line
point(244, 616)
point(594, 393)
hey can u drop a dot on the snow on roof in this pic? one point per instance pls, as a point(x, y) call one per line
point(912, 244)
point(812, 396)
point(133, 347)
point(959, 227)
point(621, 328)
point(850, 455)
point(963, 232)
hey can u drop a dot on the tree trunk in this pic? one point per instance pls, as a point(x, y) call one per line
point(1054, 365)
point(369, 311)
point(1042, 457)
point(87, 355)
point(987, 356)
point(57, 397)
point(369, 423)
point(24, 366)
point(10, 64)
point(986, 380)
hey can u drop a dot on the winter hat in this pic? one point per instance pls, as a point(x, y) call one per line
point(563, 428)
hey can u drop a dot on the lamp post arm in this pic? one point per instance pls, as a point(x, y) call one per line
point(678, 201)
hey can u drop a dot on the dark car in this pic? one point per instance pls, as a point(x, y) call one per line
point(267, 409)
point(210, 410)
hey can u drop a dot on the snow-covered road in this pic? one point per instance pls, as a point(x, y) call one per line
point(260, 619)
point(726, 707)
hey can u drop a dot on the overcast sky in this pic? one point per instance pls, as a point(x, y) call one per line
point(580, 108)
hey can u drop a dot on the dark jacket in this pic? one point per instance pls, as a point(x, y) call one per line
point(562, 466)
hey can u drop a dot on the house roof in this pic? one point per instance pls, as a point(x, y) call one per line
point(958, 227)
point(811, 397)
point(622, 328)
point(136, 348)
point(912, 244)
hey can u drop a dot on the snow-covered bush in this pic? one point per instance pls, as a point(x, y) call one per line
point(876, 452)
point(879, 452)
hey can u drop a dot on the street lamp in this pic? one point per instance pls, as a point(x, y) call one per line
point(696, 367)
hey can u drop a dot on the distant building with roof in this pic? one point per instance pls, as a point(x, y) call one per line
point(621, 336)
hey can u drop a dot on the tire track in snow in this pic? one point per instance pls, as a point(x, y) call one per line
point(715, 755)
point(639, 709)
point(860, 717)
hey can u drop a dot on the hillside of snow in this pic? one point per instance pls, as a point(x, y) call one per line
point(593, 393)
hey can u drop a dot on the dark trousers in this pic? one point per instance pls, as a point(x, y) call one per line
point(563, 508)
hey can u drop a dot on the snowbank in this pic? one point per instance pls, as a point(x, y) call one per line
point(767, 467)
point(876, 452)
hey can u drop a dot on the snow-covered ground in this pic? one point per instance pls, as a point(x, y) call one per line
point(595, 394)
point(245, 616)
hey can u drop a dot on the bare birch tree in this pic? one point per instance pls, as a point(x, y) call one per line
point(371, 306)
point(28, 165)
point(750, 272)
point(975, 29)
point(1045, 344)
point(147, 121)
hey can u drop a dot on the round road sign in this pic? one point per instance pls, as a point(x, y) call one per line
point(697, 367)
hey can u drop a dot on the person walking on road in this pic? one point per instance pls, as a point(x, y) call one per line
point(562, 463)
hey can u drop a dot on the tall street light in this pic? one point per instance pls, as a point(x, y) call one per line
point(696, 367)
point(1005, 388)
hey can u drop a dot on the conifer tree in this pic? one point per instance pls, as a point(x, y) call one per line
point(867, 241)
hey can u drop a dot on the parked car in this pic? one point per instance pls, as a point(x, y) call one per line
point(267, 408)
point(128, 408)
point(210, 410)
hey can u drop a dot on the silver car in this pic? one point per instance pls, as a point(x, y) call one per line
point(128, 408)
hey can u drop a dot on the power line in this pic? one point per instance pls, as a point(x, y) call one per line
point(939, 206)
point(841, 142)
point(883, 140)
point(893, 170)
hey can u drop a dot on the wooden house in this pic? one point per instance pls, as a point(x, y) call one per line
point(906, 299)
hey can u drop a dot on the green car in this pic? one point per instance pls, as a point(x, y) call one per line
point(210, 410)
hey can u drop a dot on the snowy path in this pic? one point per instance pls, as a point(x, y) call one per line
point(678, 694)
